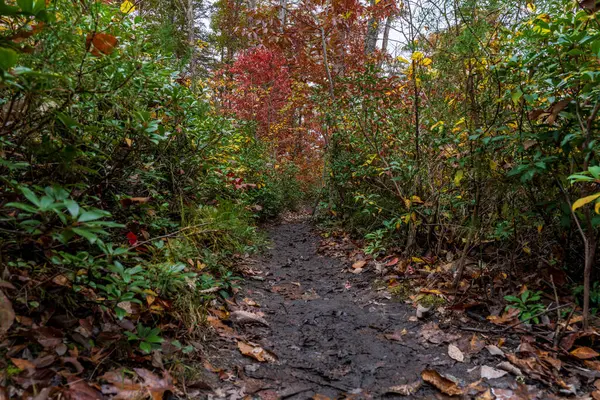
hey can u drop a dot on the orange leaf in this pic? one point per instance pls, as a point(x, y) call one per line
point(100, 43)
point(256, 352)
point(584, 353)
point(443, 384)
point(22, 364)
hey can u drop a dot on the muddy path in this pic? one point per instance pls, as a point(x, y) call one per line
point(333, 334)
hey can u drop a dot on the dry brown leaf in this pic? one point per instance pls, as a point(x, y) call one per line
point(78, 389)
point(443, 384)
point(508, 317)
point(359, 264)
point(100, 43)
point(22, 364)
point(320, 397)
point(405, 390)
point(7, 314)
point(123, 388)
point(584, 353)
point(596, 394)
point(256, 352)
point(595, 365)
point(133, 200)
point(476, 344)
point(245, 317)
point(455, 353)
point(491, 373)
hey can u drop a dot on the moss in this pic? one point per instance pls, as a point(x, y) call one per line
point(401, 291)
point(431, 300)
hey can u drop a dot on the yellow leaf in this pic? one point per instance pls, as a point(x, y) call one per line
point(417, 55)
point(458, 177)
point(597, 207)
point(402, 59)
point(439, 123)
point(531, 7)
point(585, 200)
point(129, 142)
point(427, 61)
point(127, 7)
point(416, 199)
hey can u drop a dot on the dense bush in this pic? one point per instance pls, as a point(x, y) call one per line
point(120, 183)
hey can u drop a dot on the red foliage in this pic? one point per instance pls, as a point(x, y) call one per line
point(262, 87)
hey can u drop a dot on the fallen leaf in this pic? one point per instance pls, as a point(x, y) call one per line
point(506, 366)
point(7, 314)
point(245, 317)
point(256, 352)
point(133, 200)
point(250, 302)
point(405, 390)
point(443, 384)
point(494, 350)
point(78, 389)
point(359, 264)
point(584, 353)
point(491, 373)
point(508, 317)
point(397, 335)
point(124, 388)
point(595, 365)
point(455, 353)
point(476, 344)
point(596, 394)
point(22, 364)
point(392, 262)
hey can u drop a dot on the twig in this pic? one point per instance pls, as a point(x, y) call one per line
point(557, 330)
point(167, 235)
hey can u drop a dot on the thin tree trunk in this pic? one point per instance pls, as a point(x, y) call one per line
point(386, 33)
point(372, 32)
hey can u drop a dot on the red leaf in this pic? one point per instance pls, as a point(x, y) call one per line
point(132, 238)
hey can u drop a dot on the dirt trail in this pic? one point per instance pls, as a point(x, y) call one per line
point(327, 328)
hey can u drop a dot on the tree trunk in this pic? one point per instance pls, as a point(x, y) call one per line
point(386, 33)
point(372, 32)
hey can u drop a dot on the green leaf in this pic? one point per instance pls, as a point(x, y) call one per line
point(516, 96)
point(154, 339)
point(29, 195)
point(7, 10)
point(595, 171)
point(91, 237)
point(120, 312)
point(92, 215)
point(146, 347)
point(67, 120)
point(8, 58)
point(73, 207)
point(22, 206)
point(26, 5)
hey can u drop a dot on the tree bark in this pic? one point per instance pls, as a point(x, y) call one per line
point(386, 33)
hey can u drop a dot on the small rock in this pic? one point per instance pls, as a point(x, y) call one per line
point(422, 311)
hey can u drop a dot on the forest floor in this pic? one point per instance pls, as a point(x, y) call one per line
point(309, 328)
